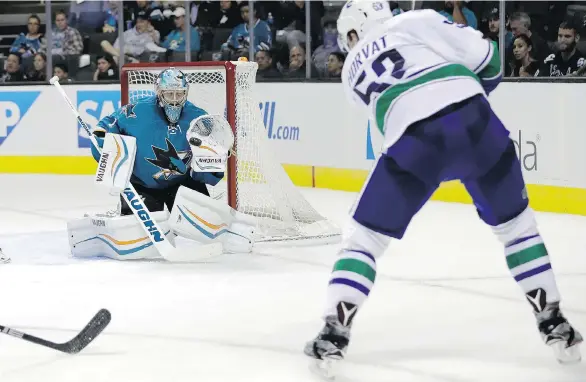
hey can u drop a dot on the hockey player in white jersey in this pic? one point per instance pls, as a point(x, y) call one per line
point(424, 81)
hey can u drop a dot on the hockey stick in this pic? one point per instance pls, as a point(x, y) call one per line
point(75, 345)
point(140, 210)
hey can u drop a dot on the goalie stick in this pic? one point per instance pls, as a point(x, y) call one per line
point(75, 345)
point(140, 210)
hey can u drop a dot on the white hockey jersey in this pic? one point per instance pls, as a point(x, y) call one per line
point(414, 65)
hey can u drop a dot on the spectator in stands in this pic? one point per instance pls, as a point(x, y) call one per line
point(494, 24)
point(96, 16)
point(523, 65)
point(39, 71)
point(546, 16)
point(29, 44)
point(290, 24)
point(167, 3)
point(568, 60)
point(458, 12)
point(107, 69)
point(335, 64)
point(239, 41)
point(176, 39)
point(143, 37)
point(140, 5)
point(396, 9)
point(266, 69)
point(66, 40)
point(13, 72)
point(87, 16)
point(297, 63)
point(214, 15)
point(218, 14)
point(62, 71)
point(159, 13)
point(321, 55)
point(111, 16)
point(521, 24)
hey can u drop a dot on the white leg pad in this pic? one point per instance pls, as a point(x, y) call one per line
point(119, 238)
point(521, 226)
point(205, 220)
point(240, 236)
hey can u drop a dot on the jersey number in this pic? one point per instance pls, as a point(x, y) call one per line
point(379, 68)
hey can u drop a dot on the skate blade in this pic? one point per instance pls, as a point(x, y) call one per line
point(324, 368)
point(567, 355)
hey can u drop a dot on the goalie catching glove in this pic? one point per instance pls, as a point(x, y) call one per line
point(211, 140)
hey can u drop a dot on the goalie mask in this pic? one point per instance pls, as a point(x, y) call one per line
point(172, 89)
point(360, 16)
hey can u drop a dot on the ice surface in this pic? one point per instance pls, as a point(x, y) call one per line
point(444, 308)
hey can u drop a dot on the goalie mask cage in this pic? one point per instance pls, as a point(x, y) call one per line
point(255, 182)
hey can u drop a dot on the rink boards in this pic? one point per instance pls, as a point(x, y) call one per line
point(321, 141)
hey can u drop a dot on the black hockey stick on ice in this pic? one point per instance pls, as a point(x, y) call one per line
point(78, 343)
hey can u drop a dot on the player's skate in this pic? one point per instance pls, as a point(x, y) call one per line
point(329, 347)
point(3, 257)
point(555, 329)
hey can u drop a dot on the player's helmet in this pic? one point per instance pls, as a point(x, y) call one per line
point(172, 89)
point(360, 16)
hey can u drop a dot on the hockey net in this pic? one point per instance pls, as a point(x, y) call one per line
point(255, 182)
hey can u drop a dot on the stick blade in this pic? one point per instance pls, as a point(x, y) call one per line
point(96, 325)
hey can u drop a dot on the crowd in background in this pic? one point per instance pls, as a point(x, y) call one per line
point(542, 38)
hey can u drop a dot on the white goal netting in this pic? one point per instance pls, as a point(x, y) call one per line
point(263, 188)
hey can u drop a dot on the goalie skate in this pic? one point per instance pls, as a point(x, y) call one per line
point(555, 329)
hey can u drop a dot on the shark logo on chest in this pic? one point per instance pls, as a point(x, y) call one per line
point(171, 162)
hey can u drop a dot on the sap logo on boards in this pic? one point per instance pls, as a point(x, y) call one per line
point(13, 107)
point(286, 133)
point(93, 106)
